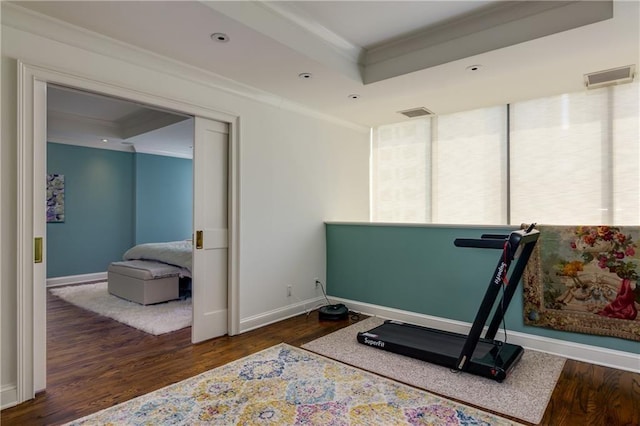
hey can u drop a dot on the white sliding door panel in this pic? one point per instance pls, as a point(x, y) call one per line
point(40, 235)
point(31, 243)
point(210, 222)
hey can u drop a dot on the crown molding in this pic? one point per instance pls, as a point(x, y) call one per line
point(495, 27)
point(142, 150)
point(88, 121)
point(29, 21)
point(112, 146)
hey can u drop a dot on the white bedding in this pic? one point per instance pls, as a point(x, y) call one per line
point(178, 253)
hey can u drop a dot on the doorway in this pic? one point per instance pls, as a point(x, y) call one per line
point(126, 170)
point(31, 233)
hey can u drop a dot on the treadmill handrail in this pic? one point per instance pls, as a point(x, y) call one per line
point(516, 239)
point(494, 236)
point(475, 243)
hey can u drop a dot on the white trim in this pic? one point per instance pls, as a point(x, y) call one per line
point(424, 225)
point(233, 229)
point(90, 144)
point(117, 147)
point(8, 396)
point(28, 75)
point(290, 12)
point(577, 351)
point(76, 279)
point(24, 244)
point(152, 151)
point(280, 314)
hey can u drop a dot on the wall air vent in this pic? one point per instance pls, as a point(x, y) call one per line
point(416, 112)
point(610, 77)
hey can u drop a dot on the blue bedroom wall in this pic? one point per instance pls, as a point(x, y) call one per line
point(108, 196)
point(164, 198)
point(418, 269)
point(99, 209)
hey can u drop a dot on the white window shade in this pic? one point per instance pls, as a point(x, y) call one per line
point(470, 167)
point(626, 154)
point(400, 170)
point(570, 161)
point(567, 160)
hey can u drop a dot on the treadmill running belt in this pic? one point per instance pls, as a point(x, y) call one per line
point(427, 339)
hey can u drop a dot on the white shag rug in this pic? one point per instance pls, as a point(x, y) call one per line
point(153, 319)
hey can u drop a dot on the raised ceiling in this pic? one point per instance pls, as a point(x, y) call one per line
point(395, 55)
point(80, 118)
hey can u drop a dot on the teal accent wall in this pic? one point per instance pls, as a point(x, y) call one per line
point(99, 209)
point(114, 200)
point(418, 269)
point(164, 198)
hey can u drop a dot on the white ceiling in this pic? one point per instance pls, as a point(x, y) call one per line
point(395, 55)
point(80, 118)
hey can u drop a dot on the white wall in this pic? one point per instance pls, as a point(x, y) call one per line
point(297, 168)
point(314, 173)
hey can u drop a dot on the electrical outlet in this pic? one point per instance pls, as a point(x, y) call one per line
point(288, 291)
point(316, 282)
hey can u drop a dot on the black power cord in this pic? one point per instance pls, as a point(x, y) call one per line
point(332, 311)
point(324, 293)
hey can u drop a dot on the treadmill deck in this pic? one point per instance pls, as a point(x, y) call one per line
point(493, 359)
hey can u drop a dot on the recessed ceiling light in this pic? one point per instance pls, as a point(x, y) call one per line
point(354, 96)
point(104, 140)
point(221, 37)
point(474, 67)
point(305, 75)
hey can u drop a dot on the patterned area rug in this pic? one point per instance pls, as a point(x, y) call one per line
point(524, 394)
point(284, 385)
point(153, 319)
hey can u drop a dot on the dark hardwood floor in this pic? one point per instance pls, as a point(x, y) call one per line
point(94, 363)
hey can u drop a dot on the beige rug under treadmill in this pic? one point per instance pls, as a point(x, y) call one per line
point(523, 395)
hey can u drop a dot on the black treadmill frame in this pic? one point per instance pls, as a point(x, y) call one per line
point(504, 356)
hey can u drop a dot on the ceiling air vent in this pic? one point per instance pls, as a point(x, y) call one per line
point(416, 112)
point(610, 77)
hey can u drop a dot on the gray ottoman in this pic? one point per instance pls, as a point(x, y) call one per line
point(142, 281)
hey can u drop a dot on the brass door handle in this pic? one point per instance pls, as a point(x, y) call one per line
point(198, 239)
point(37, 250)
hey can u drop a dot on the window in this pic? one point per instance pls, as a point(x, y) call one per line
point(470, 164)
point(401, 168)
point(573, 159)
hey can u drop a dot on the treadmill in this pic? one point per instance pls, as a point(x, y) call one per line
point(483, 356)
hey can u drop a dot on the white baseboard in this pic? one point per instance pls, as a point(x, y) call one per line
point(577, 351)
point(302, 306)
point(8, 396)
point(76, 279)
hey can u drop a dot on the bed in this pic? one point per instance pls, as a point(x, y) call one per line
point(152, 273)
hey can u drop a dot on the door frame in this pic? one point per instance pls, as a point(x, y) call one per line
point(31, 315)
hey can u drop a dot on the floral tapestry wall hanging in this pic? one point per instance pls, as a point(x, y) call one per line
point(55, 198)
point(585, 279)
